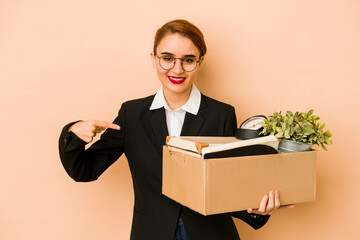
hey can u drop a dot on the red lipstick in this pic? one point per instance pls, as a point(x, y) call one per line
point(176, 80)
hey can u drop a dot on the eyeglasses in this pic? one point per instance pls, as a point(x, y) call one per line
point(187, 63)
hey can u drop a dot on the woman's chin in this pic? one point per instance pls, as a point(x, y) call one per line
point(179, 88)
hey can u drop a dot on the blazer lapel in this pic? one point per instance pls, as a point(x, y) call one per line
point(193, 123)
point(191, 127)
point(158, 126)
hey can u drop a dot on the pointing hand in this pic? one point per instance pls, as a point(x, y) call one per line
point(87, 130)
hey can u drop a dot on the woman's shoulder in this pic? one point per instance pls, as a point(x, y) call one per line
point(214, 103)
point(144, 102)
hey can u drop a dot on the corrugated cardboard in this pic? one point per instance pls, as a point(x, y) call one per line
point(211, 186)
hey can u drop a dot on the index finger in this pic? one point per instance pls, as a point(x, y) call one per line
point(262, 207)
point(263, 204)
point(104, 125)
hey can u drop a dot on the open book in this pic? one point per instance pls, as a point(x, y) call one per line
point(220, 147)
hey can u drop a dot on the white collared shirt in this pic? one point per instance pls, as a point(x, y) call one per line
point(175, 118)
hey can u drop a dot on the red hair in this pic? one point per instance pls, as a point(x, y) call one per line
point(185, 29)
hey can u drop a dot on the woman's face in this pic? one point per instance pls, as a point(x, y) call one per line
point(176, 80)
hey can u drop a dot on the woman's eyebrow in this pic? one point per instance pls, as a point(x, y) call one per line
point(190, 55)
point(171, 54)
point(167, 53)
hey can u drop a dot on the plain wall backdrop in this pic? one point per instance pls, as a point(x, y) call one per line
point(62, 61)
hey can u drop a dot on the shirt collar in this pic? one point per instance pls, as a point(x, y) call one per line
point(192, 105)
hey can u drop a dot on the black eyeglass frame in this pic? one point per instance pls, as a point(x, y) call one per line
point(197, 61)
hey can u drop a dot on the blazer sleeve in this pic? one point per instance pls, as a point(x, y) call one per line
point(230, 123)
point(254, 220)
point(87, 165)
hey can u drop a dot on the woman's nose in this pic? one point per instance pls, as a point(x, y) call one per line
point(178, 67)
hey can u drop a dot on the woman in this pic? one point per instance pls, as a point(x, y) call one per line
point(139, 131)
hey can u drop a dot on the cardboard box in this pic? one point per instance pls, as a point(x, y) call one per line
point(211, 186)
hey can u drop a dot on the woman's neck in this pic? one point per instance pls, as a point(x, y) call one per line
point(176, 100)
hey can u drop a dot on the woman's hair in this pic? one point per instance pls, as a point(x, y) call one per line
point(183, 28)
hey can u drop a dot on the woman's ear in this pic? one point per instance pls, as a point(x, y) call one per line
point(153, 59)
point(201, 60)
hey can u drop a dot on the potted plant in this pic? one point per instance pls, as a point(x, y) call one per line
point(298, 132)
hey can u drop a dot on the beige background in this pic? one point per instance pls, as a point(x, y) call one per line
point(65, 60)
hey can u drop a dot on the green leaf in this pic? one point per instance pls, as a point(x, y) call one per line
point(279, 135)
point(287, 131)
point(327, 133)
point(291, 120)
point(315, 118)
point(273, 125)
point(323, 147)
point(328, 141)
